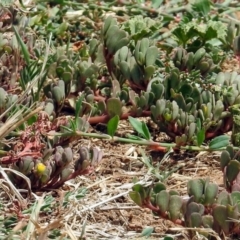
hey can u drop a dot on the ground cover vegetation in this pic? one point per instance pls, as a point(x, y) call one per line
point(72, 71)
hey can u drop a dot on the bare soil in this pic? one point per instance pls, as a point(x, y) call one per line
point(111, 214)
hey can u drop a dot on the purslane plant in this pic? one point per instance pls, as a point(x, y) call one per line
point(122, 73)
point(205, 207)
point(44, 161)
point(189, 92)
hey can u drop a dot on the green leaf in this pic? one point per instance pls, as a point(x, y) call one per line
point(210, 193)
point(23, 46)
point(112, 125)
point(186, 89)
point(73, 126)
point(136, 197)
point(78, 107)
point(199, 124)
point(139, 27)
point(232, 170)
point(219, 142)
point(162, 201)
point(146, 232)
point(133, 137)
point(156, 3)
point(195, 188)
point(139, 188)
point(31, 120)
point(181, 35)
point(202, 7)
point(174, 207)
point(225, 158)
point(158, 187)
point(7, 3)
point(168, 238)
point(215, 30)
point(200, 137)
point(114, 107)
point(140, 127)
point(235, 197)
point(151, 55)
point(220, 216)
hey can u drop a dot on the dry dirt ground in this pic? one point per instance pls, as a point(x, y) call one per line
point(108, 212)
point(118, 217)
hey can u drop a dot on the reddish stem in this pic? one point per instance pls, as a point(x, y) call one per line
point(210, 135)
point(105, 118)
point(99, 98)
point(158, 148)
point(151, 207)
point(164, 216)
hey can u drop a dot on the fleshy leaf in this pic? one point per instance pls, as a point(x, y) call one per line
point(135, 196)
point(146, 232)
point(112, 125)
point(219, 142)
point(140, 127)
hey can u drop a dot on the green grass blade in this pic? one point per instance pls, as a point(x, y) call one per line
point(23, 46)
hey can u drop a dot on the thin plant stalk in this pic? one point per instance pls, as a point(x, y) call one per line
point(164, 147)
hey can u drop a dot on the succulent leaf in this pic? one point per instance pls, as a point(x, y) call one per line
point(195, 220)
point(162, 200)
point(220, 217)
point(114, 107)
point(136, 197)
point(224, 159)
point(174, 208)
point(195, 188)
point(210, 193)
point(232, 170)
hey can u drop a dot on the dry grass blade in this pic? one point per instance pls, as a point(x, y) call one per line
point(20, 175)
point(70, 232)
point(205, 230)
point(5, 187)
point(30, 231)
point(43, 231)
point(16, 120)
point(13, 188)
point(105, 201)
